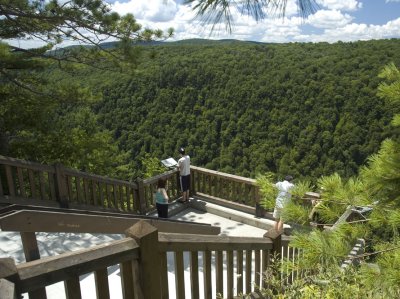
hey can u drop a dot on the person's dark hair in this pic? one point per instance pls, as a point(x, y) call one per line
point(161, 183)
point(182, 150)
point(289, 178)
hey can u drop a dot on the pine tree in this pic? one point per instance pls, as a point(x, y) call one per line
point(46, 115)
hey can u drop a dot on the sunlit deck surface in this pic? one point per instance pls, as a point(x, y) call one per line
point(231, 222)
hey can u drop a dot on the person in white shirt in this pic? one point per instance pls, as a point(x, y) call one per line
point(184, 171)
point(282, 199)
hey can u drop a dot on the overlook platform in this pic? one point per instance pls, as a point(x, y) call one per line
point(231, 222)
point(71, 234)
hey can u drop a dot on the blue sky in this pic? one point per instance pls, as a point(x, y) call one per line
point(344, 20)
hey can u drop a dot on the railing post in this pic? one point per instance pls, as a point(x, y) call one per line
point(178, 183)
point(260, 211)
point(31, 251)
point(8, 271)
point(61, 186)
point(276, 238)
point(192, 182)
point(140, 196)
point(146, 236)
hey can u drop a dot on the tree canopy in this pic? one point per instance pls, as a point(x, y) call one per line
point(45, 116)
point(249, 108)
point(377, 189)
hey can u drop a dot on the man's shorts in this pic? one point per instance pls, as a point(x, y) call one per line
point(185, 182)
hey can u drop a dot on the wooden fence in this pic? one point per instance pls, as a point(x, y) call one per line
point(142, 259)
point(245, 259)
point(225, 189)
point(23, 182)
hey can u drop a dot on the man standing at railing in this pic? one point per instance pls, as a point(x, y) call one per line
point(282, 199)
point(184, 171)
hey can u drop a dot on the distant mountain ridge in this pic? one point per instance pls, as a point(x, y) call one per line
point(194, 41)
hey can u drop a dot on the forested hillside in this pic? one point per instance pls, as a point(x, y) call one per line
point(248, 108)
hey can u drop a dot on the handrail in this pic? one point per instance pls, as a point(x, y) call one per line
point(46, 271)
point(164, 175)
point(232, 177)
point(23, 182)
point(17, 162)
point(43, 221)
point(174, 242)
point(145, 253)
point(225, 189)
point(102, 179)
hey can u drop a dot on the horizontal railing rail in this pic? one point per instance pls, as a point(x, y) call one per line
point(24, 182)
point(144, 260)
point(150, 186)
point(53, 221)
point(32, 277)
point(225, 189)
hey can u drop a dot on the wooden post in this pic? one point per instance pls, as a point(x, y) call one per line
point(8, 270)
point(178, 183)
point(31, 251)
point(146, 236)
point(141, 197)
point(207, 274)
point(127, 279)
point(276, 238)
point(7, 289)
point(30, 246)
point(194, 274)
point(260, 211)
point(192, 183)
point(61, 186)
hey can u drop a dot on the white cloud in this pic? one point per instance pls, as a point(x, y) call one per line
point(347, 5)
point(149, 10)
point(329, 19)
point(353, 32)
point(333, 22)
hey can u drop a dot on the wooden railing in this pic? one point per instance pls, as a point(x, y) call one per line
point(23, 182)
point(150, 186)
point(245, 259)
point(225, 189)
point(142, 258)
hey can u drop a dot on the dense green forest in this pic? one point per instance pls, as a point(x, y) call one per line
point(248, 108)
point(245, 108)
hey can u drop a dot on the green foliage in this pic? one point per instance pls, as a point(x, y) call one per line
point(320, 249)
point(323, 251)
point(319, 283)
point(297, 210)
point(220, 12)
point(390, 88)
point(383, 278)
point(296, 213)
point(267, 189)
point(300, 189)
point(338, 194)
point(302, 113)
point(151, 166)
point(382, 175)
point(46, 112)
